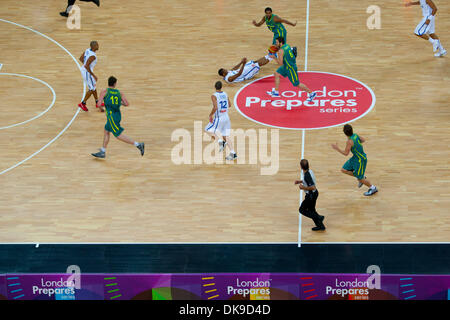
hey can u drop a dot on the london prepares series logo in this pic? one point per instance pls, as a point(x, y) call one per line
point(339, 100)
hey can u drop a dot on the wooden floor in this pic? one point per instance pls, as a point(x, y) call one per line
point(166, 55)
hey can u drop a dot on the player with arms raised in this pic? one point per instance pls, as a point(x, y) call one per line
point(275, 24)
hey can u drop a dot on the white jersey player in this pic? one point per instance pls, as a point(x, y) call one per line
point(425, 29)
point(245, 70)
point(219, 121)
point(89, 60)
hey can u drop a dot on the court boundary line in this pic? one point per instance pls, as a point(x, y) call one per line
point(76, 113)
point(220, 243)
point(40, 114)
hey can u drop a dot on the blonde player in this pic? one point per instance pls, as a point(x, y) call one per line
point(89, 60)
point(425, 29)
point(221, 121)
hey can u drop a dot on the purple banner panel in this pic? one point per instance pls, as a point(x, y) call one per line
point(54, 287)
point(224, 286)
point(3, 294)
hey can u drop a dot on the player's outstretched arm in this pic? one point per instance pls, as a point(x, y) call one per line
point(278, 19)
point(101, 97)
point(258, 24)
point(124, 100)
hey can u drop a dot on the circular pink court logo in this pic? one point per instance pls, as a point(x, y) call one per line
point(339, 100)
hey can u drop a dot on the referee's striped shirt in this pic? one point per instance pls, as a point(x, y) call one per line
point(309, 180)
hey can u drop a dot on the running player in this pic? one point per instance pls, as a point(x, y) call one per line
point(113, 99)
point(425, 29)
point(356, 165)
point(89, 60)
point(244, 70)
point(221, 122)
point(287, 59)
point(275, 24)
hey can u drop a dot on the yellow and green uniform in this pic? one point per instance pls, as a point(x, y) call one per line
point(277, 28)
point(113, 101)
point(358, 162)
point(289, 67)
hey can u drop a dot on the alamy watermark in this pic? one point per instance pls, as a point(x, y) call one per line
point(252, 147)
point(74, 19)
point(374, 20)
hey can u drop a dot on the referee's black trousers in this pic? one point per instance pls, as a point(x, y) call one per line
point(308, 206)
point(72, 2)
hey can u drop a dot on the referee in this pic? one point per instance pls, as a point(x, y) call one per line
point(70, 3)
point(308, 206)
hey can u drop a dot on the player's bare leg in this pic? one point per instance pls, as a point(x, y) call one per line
point(102, 152)
point(106, 139)
point(87, 96)
point(350, 173)
point(232, 155)
point(305, 88)
point(424, 36)
point(277, 81)
point(126, 139)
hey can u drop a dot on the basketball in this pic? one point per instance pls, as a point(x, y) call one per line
point(273, 49)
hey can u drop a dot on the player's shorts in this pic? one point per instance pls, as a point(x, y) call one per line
point(357, 165)
point(220, 124)
point(113, 123)
point(290, 73)
point(277, 34)
point(89, 80)
point(423, 28)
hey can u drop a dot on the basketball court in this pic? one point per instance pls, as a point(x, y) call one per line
point(166, 55)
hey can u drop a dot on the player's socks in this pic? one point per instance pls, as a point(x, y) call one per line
point(436, 43)
point(442, 52)
point(102, 149)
